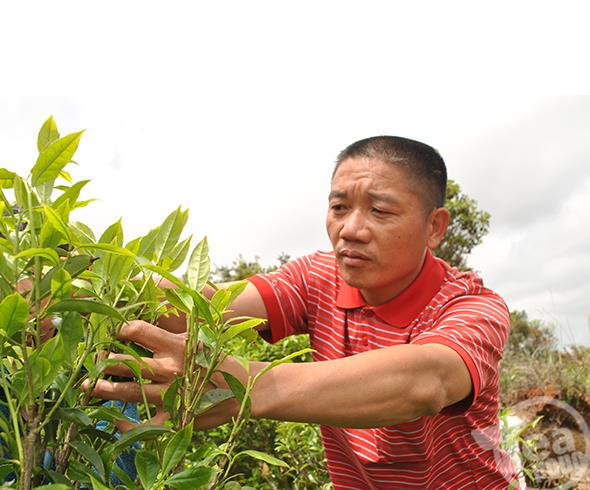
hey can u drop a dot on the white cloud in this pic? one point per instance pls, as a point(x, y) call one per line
point(237, 110)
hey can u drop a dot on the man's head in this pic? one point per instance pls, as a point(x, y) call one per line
point(422, 163)
point(385, 212)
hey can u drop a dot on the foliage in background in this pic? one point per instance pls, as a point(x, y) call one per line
point(529, 336)
point(467, 227)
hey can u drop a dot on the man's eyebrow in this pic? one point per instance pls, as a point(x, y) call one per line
point(388, 198)
point(337, 195)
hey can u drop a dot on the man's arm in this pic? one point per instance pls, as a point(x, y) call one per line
point(373, 389)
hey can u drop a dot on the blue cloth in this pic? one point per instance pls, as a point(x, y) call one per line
point(125, 461)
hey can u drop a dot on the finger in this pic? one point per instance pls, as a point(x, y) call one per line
point(127, 391)
point(159, 419)
point(149, 336)
point(150, 368)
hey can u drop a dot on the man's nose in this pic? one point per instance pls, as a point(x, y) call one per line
point(354, 228)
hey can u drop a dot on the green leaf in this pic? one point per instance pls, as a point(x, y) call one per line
point(56, 478)
point(220, 299)
point(73, 415)
point(78, 472)
point(105, 247)
point(239, 328)
point(267, 458)
point(108, 414)
point(21, 193)
point(234, 290)
point(212, 398)
point(191, 479)
point(70, 334)
point(282, 361)
point(82, 232)
point(179, 300)
point(52, 352)
point(148, 244)
point(59, 224)
point(169, 398)
point(14, 312)
point(199, 266)
point(73, 265)
point(70, 195)
point(176, 449)
point(113, 233)
point(5, 469)
point(66, 175)
point(169, 233)
point(235, 385)
point(54, 486)
point(90, 455)
point(47, 134)
point(6, 178)
point(96, 485)
point(50, 237)
point(61, 284)
point(54, 158)
point(46, 253)
point(148, 467)
point(124, 477)
point(178, 254)
point(85, 306)
point(140, 433)
point(82, 204)
point(165, 274)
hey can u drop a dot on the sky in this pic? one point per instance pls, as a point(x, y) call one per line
point(237, 110)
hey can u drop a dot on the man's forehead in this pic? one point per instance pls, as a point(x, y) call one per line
point(386, 197)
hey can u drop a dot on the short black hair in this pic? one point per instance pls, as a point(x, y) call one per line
point(422, 162)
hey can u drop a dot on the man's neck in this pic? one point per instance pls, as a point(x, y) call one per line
point(379, 296)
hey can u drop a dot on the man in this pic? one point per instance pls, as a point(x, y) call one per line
point(406, 387)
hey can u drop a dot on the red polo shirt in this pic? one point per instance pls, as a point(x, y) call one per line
point(455, 449)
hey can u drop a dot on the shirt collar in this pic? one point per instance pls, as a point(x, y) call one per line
point(402, 309)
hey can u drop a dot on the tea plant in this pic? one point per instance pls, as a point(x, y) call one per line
point(63, 296)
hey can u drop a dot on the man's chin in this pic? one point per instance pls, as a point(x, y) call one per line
point(354, 280)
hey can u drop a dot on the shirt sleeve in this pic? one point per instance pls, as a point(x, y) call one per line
point(284, 293)
point(476, 328)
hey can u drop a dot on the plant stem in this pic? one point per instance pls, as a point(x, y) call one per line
point(26, 481)
point(71, 379)
point(238, 422)
point(13, 415)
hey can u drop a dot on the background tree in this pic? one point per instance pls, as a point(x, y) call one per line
point(529, 336)
point(467, 227)
point(243, 269)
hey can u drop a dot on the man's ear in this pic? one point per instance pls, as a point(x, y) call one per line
point(438, 222)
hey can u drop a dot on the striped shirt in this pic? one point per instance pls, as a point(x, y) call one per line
point(454, 449)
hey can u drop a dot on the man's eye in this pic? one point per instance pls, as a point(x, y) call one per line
point(379, 211)
point(337, 207)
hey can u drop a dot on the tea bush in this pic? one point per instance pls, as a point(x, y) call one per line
point(64, 294)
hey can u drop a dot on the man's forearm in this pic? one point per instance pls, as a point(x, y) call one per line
point(373, 389)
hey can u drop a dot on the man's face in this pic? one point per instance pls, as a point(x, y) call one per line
point(378, 227)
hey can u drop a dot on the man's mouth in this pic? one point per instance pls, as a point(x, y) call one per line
point(352, 257)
